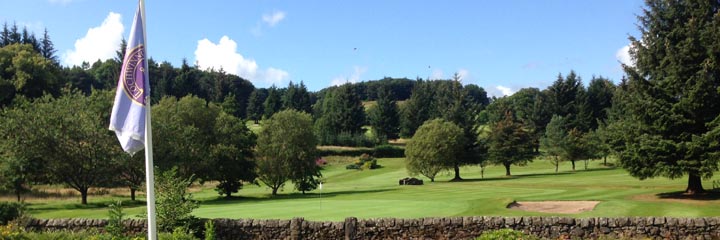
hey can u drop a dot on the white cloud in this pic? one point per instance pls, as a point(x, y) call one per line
point(274, 18)
point(623, 55)
point(275, 76)
point(500, 91)
point(224, 55)
point(270, 19)
point(358, 71)
point(99, 43)
point(436, 74)
point(463, 73)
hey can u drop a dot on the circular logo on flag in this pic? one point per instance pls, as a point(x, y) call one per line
point(133, 75)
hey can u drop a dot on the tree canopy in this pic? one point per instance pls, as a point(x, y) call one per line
point(286, 150)
point(435, 147)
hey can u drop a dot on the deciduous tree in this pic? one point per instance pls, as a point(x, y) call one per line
point(286, 150)
point(435, 147)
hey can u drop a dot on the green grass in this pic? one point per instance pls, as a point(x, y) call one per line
point(255, 128)
point(376, 194)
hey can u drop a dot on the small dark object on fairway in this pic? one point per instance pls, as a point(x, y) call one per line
point(411, 181)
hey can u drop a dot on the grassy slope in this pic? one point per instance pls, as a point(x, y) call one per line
point(375, 194)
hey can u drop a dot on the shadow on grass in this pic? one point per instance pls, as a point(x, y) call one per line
point(90, 205)
point(511, 177)
point(295, 195)
point(710, 195)
point(532, 175)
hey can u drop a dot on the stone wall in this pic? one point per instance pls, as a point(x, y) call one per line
point(435, 228)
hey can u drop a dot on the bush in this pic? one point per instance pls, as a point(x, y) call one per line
point(388, 151)
point(11, 231)
point(344, 152)
point(209, 230)
point(10, 211)
point(346, 139)
point(381, 151)
point(502, 234)
point(115, 225)
point(174, 204)
point(364, 162)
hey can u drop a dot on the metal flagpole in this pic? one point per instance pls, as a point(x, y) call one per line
point(149, 166)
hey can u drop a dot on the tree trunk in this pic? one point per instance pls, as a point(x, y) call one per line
point(17, 193)
point(274, 191)
point(482, 172)
point(257, 121)
point(557, 164)
point(84, 195)
point(573, 164)
point(604, 160)
point(457, 173)
point(694, 185)
point(132, 194)
point(432, 179)
point(507, 169)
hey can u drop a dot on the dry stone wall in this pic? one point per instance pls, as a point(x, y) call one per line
point(434, 228)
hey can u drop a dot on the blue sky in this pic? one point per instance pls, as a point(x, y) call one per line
point(501, 46)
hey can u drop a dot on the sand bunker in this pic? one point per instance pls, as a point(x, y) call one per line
point(555, 206)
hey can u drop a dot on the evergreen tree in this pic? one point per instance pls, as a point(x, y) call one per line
point(15, 36)
point(509, 144)
point(289, 99)
point(671, 124)
point(416, 110)
point(341, 112)
point(303, 99)
point(599, 98)
point(255, 105)
point(272, 103)
point(297, 97)
point(29, 38)
point(47, 48)
point(568, 100)
point(554, 140)
point(5, 35)
point(231, 106)
point(384, 117)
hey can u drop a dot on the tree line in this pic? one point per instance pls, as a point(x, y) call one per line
point(659, 121)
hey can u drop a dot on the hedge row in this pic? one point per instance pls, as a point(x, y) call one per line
point(382, 151)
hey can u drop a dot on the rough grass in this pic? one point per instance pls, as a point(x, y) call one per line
point(376, 194)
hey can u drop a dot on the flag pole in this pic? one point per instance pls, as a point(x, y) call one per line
point(149, 166)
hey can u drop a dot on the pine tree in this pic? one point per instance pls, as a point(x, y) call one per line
point(416, 109)
point(554, 140)
point(671, 124)
point(384, 117)
point(255, 105)
point(510, 144)
point(599, 98)
point(272, 103)
point(47, 48)
point(5, 36)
